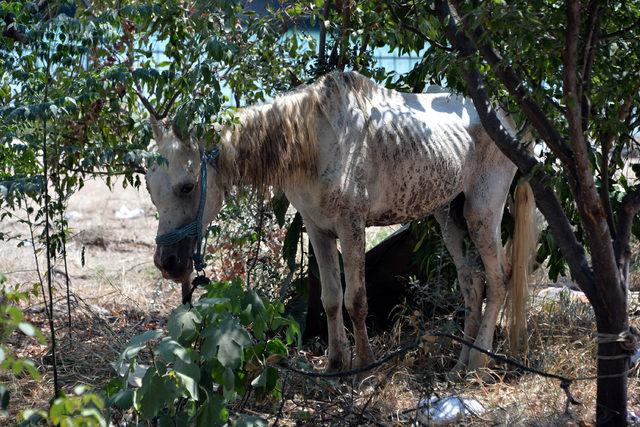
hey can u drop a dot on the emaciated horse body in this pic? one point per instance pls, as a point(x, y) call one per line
point(349, 154)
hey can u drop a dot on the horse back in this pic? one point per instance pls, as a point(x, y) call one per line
point(391, 157)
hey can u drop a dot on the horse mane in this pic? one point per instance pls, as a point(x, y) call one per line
point(277, 142)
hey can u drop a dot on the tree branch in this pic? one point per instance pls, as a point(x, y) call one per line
point(146, 102)
point(415, 30)
point(588, 201)
point(629, 209)
point(591, 42)
point(570, 85)
point(362, 51)
point(607, 139)
point(344, 35)
point(624, 31)
point(166, 107)
point(514, 84)
point(322, 44)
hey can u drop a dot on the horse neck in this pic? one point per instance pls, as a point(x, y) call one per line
point(272, 145)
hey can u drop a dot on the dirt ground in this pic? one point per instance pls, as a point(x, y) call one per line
point(116, 292)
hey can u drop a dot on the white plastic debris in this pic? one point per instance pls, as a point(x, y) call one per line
point(441, 410)
point(556, 294)
point(126, 213)
point(98, 311)
point(73, 215)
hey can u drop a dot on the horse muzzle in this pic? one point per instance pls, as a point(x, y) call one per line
point(175, 262)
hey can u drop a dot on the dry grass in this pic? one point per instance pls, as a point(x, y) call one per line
point(118, 294)
point(560, 342)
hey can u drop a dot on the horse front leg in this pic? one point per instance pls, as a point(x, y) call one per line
point(352, 243)
point(326, 252)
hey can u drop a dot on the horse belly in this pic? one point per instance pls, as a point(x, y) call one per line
point(424, 182)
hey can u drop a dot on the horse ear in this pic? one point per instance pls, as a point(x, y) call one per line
point(178, 132)
point(157, 128)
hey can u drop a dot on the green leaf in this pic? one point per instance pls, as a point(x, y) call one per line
point(228, 383)
point(276, 346)
point(215, 49)
point(123, 399)
point(154, 394)
point(213, 413)
point(170, 350)
point(257, 305)
point(226, 341)
point(33, 417)
point(211, 306)
point(183, 323)
point(138, 342)
point(272, 378)
point(27, 328)
point(294, 334)
point(31, 369)
point(113, 386)
point(189, 375)
point(261, 380)
point(290, 245)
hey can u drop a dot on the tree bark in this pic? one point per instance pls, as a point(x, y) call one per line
point(609, 303)
point(322, 43)
point(343, 57)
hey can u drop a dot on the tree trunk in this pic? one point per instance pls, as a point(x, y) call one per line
point(611, 318)
point(611, 400)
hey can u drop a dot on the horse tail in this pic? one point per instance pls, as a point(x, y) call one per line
point(522, 250)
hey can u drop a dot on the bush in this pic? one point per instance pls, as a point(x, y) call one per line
point(78, 409)
point(222, 347)
point(12, 320)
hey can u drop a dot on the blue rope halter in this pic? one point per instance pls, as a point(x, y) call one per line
point(194, 229)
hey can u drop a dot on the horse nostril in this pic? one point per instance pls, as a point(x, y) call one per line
point(170, 262)
point(187, 188)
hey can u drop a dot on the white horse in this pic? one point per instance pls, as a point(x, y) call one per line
point(349, 154)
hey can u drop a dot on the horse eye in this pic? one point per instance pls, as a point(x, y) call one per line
point(186, 188)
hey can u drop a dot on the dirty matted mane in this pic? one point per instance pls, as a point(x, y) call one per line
point(277, 141)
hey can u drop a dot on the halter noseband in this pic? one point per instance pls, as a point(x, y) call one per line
point(194, 229)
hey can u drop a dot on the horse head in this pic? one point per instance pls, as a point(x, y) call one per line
point(175, 187)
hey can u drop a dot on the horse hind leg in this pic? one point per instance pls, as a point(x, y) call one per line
point(483, 212)
point(470, 278)
point(326, 253)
